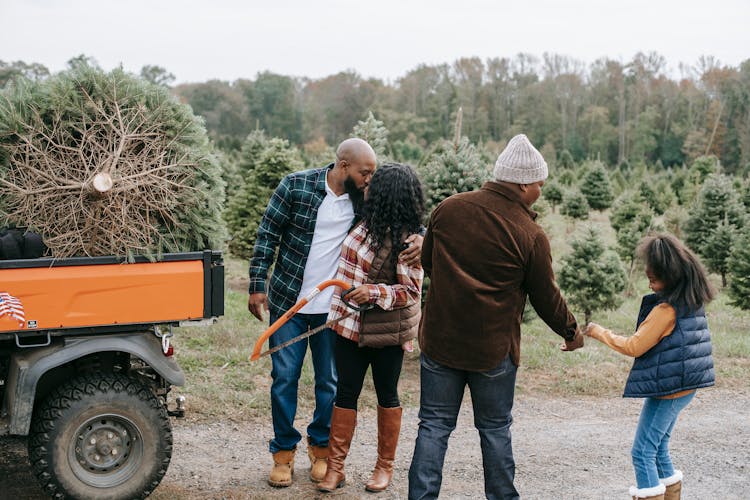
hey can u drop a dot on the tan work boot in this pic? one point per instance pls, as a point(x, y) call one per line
point(343, 422)
point(389, 428)
point(673, 484)
point(283, 468)
point(318, 456)
point(654, 493)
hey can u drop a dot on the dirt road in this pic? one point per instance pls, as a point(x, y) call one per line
point(564, 449)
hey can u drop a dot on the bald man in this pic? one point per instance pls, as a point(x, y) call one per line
point(307, 219)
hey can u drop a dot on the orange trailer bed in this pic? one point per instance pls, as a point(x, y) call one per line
point(48, 294)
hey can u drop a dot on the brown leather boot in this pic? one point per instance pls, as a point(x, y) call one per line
point(318, 462)
point(389, 428)
point(673, 484)
point(343, 422)
point(283, 468)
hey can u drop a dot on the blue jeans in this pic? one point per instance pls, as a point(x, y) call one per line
point(651, 444)
point(287, 367)
point(442, 389)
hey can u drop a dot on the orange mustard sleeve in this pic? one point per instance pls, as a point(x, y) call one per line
point(658, 324)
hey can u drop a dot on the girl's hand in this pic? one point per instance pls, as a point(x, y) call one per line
point(408, 346)
point(360, 295)
point(589, 327)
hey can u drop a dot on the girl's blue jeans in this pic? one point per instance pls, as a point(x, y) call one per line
point(650, 451)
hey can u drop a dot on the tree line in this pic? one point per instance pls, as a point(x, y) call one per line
point(609, 110)
point(616, 111)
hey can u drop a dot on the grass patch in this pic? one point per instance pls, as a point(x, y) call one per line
point(221, 382)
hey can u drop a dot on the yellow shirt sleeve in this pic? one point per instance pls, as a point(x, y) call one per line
point(658, 324)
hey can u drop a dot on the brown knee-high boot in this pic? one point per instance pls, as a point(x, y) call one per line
point(389, 428)
point(343, 422)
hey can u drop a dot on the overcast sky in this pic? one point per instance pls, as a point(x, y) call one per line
point(230, 39)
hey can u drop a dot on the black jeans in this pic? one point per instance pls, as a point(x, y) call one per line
point(351, 364)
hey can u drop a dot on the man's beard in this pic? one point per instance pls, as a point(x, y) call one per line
point(356, 195)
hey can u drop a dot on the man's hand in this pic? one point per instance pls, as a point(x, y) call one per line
point(413, 253)
point(256, 304)
point(572, 345)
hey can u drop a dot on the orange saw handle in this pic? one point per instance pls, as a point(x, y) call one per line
point(291, 312)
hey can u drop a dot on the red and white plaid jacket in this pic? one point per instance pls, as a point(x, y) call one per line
point(354, 266)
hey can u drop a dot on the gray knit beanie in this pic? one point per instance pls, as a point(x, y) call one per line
point(520, 163)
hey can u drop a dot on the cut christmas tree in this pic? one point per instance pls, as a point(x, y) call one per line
point(107, 164)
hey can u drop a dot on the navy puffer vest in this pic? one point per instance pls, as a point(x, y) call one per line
point(680, 361)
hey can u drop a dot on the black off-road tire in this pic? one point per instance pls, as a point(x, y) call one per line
point(102, 436)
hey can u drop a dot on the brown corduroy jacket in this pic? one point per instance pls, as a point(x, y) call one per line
point(484, 254)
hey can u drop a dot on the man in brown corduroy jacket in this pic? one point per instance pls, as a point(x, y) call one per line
point(484, 254)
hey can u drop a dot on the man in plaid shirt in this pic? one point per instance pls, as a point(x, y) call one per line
point(306, 220)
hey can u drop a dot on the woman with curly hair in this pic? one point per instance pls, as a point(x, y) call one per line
point(377, 337)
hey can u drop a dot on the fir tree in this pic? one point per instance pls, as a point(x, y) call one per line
point(245, 209)
point(665, 197)
point(739, 270)
point(593, 279)
point(678, 183)
point(624, 168)
point(619, 184)
point(717, 201)
point(253, 146)
point(275, 161)
point(374, 132)
point(631, 218)
point(596, 188)
point(242, 162)
point(703, 167)
point(553, 193)
point(566, 160)
point(566, 178)
point(658, 195)
point(575, 206)
point(454, 167)
point(407, 151)
point(717, 249)
point(674, 220)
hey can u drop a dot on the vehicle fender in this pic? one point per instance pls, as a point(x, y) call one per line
point(27, 367)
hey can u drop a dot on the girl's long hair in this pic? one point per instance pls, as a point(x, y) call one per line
point(678, 268)
point(394, 205)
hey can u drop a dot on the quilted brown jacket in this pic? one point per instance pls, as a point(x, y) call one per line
point(382, 328)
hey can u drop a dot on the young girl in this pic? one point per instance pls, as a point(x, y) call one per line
point(377, 337)
point(672, 351)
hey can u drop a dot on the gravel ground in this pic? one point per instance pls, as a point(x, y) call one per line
point(564, 449)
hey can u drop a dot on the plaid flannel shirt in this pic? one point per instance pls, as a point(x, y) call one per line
point(288, 225)
point(356, 259)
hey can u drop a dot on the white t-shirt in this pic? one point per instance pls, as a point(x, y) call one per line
point(334, 219)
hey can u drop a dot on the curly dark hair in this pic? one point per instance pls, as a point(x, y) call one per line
point(394, 205)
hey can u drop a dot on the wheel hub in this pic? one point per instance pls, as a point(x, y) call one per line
point(103, 445)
